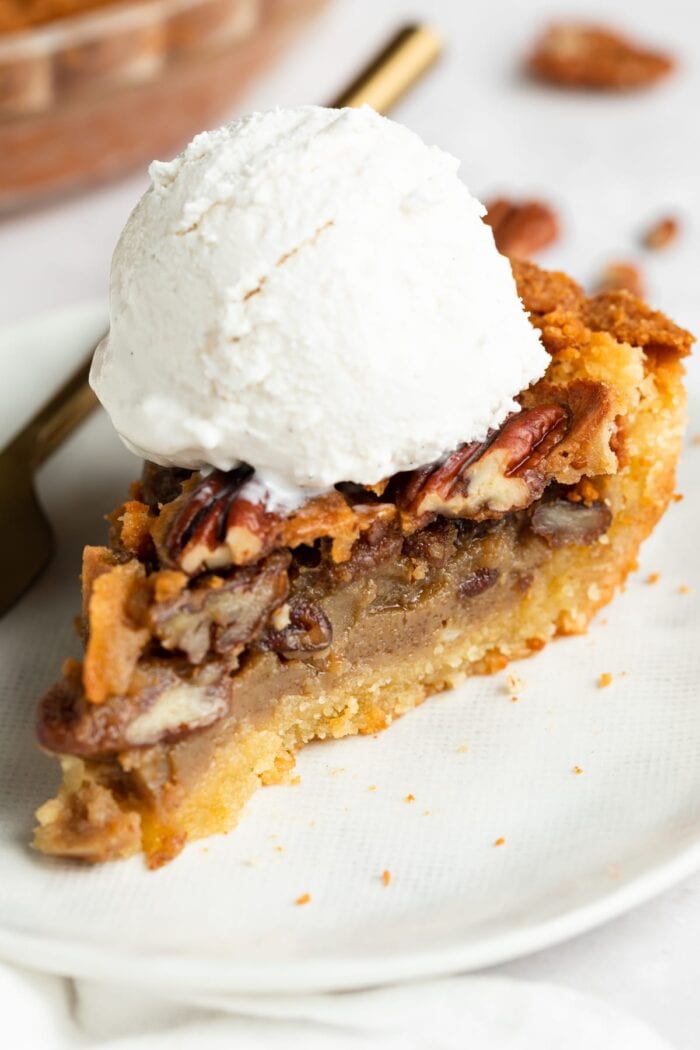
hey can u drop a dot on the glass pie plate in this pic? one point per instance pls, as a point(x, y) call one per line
point(88, 96)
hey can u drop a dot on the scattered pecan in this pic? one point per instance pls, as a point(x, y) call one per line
point(561, 522)
point(662, 233)
point(222, 616)
point(522, 228)
point(481, 481)
point(590, 56)
point(477, 582)
point(622, 277)
point(308, 632)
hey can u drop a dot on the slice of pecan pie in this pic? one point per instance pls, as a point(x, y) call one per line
point(222, 635)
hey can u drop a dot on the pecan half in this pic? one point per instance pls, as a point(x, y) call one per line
point(521, 229)
point(591, 56)
point(222, 615)
point(309, 631)
point(562, 523)
point(167, 699)
point(495, 478)
point(222, 521)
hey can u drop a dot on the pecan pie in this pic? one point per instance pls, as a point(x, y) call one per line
point(221, 634)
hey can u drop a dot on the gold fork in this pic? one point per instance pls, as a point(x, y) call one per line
point(26, 539)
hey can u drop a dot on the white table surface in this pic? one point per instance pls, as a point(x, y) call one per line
point(611, 165)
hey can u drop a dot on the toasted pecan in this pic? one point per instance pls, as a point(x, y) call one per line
point(521, 228)
point(577, 55)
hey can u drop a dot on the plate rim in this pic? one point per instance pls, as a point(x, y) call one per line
point(200, 974)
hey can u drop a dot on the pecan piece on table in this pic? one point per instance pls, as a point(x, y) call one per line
point(521, 229)
point(307, 632)
point(562, 523)
point(494, 478)
point(622, 276)
point(222, 615)
point(590, 56)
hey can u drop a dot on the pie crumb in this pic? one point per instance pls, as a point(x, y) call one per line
point(500, 841)
point(410, 798)
point(684, 589)
point(372, 787)
point(653, 577)
point(386, 877)
point(605, 679)
point(304, 899)
point(677, 497)
point(577, 770)
point(513, 683)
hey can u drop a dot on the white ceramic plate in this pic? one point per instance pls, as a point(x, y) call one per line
point(579, 848)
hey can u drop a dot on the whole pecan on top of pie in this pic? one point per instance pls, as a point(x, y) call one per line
point(487, 479)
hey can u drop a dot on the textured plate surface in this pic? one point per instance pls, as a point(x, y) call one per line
point(579, 847)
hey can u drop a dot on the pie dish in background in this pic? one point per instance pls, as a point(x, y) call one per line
point(108, 85)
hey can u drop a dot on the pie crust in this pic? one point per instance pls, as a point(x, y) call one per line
point(220, 637)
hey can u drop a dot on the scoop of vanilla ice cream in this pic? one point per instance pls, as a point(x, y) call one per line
point(313, 292)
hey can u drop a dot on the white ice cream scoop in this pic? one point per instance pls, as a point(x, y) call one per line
point(313, 292)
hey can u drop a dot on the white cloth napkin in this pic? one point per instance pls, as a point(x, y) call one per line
point(465, 1013)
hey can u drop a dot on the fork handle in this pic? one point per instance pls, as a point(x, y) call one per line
point(59, 417)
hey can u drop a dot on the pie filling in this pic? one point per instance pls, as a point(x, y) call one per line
point(221, 634)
